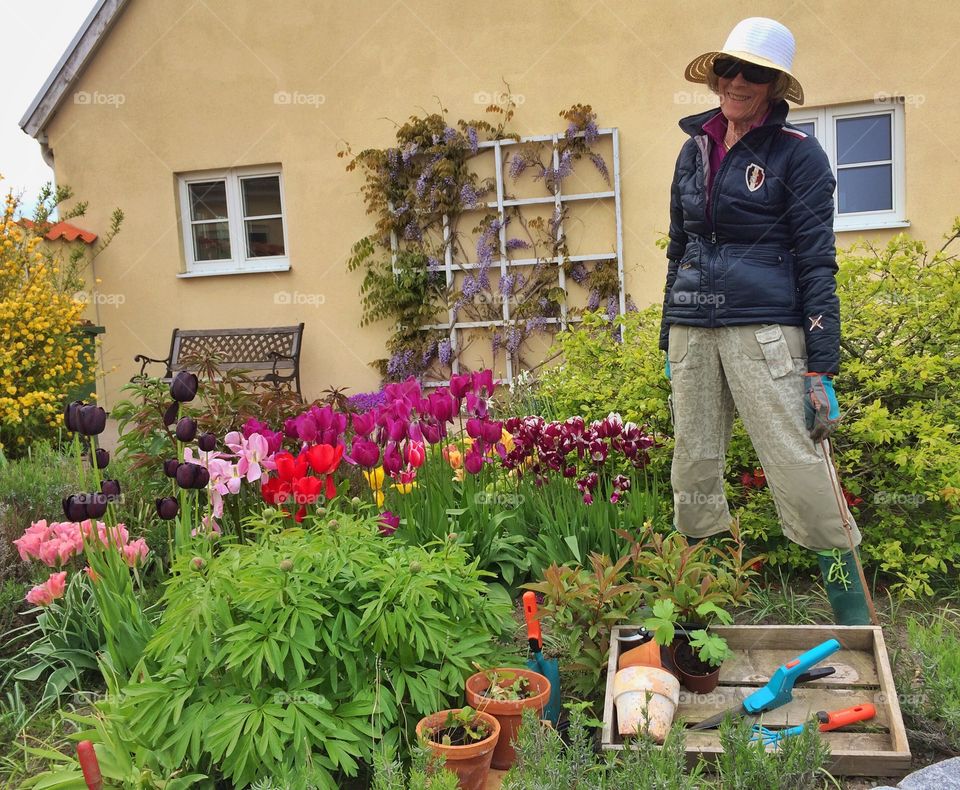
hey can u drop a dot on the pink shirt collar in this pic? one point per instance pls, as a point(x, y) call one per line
point(716, 127)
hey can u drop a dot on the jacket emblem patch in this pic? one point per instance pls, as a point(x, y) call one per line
point(755, 175)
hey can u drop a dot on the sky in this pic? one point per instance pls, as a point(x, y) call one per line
point(35, 35)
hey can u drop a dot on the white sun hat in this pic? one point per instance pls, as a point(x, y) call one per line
point(758, 40)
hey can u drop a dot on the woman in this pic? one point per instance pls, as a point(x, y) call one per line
point(751, 317)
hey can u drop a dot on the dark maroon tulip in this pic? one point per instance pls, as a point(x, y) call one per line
point(75, 508)
point(91, 420)
point(186, 429)
point(101, 458)
point(171, 414)
point(70, 415)
point(365, 452)
point(96, 505)
point(110, 488)
point(192, 476)
point(170, 467)
point(167, 508)
point(183, 388)
point(207, 442)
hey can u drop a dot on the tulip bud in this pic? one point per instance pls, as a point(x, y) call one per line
point(75, 508)
point(186, 429)
point(170, 467)
point(286, 565)
point(171, 413)
point(197, 563)
point(91, 420)
point(71, 416)
point(96, 505)
point(101, 458)
point(167, 508)
point(183, 387)
point(207, 442)
point(110, 488)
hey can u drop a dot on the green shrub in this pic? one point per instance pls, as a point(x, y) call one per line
point(292, 655)
point(935, 707)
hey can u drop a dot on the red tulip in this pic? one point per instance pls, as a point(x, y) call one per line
point(416, 454)
point(275, 491)
point(324, 458)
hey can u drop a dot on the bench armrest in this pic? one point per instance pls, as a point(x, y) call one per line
point(145, 360)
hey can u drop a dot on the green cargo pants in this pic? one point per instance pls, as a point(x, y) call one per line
point(757, 369)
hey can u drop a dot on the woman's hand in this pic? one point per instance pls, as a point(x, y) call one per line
point(820, 407)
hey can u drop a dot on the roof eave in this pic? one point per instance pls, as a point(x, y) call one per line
point(71, 64)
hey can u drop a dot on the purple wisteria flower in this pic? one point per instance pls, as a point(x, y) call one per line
point(449, 134)
point(444, 351)
point(429, 353)
point(514, 339)
point(365, 401)
point(471, 286)
point(496, 341)
point(399, 364)
point(517, 244)
point(578, 273)
point(412, 232)
point(600, 163)
point(613, 307)
point(409, 151)
point(536, 324)
point(593, 301)
point(468, 196)
point(472, 139)
point(518, 164)
point(421, 186)
point(506, 284)
point(433, 264)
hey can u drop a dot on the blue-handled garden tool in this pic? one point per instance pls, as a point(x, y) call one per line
point(779, 691)
point(828, 720)
point(548, 667)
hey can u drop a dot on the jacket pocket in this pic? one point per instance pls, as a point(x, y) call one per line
point(685, 292)
point(758, 277)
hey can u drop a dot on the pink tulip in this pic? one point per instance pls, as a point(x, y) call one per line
point(29, 544)
point(48, 592)
point(135, 551)
point(416, 454)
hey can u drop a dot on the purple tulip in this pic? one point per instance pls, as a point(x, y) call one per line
point(473, 462)
point(306, 428)
point(363, 424)
point(171, 413)
point(167, 508)
point(110, 489)
point(71, 415)
point(432, 433)
point(75, 507)
point(186, 429)
point(392, 460)
point(183, 387)
point(192, 476)
point(96, 505)
point(170, 467)
point(91, 420)
point(460, 385)
point(474, 428)
point(491, 432)
point(389, 523)
point(365, 452)
point(207, 442)
point(396, 430)
point(101, 458)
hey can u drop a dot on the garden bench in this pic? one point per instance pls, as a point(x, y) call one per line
point(271, 354)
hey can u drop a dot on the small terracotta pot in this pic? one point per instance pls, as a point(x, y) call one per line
point(635, 713)
point(698, 684)
point(645, 655)
point(471, 762)
point(508, 712)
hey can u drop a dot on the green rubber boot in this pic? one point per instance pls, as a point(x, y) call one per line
point(847, 598)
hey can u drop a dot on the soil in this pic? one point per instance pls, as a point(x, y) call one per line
point(516, 694)
point(458, 736)
point(687, 660)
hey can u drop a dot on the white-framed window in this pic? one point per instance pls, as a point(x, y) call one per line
point(864, 143)
point(233, 221)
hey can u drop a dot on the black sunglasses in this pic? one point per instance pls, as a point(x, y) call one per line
point(731, 67)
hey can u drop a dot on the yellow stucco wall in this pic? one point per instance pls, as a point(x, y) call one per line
point(198, 79)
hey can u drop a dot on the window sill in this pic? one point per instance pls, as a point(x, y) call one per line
point(261, 268)
point(868, 224)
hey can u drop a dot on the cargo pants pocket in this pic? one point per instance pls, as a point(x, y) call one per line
point(776, 352)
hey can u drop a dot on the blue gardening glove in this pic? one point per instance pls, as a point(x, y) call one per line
point(666, 369)
point(820, 408)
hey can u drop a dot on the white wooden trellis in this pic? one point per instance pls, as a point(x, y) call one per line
point(450, 267)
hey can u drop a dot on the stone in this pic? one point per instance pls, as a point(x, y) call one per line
point(944, 775)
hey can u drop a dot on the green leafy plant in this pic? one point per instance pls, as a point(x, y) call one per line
point(462, 726)
point(293, 654)
point(426, 773)
point(580, 608)
point(506, 685)
point(710, 648)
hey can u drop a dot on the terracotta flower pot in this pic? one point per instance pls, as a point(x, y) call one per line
point(471, 762)
point(698, 683)
point(508, 712)
point(646, 700)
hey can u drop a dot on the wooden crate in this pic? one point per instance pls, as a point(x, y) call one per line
point(874, 748)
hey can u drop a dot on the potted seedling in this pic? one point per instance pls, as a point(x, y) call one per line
point(695, 654)
point(466, 739)
point(505, 693)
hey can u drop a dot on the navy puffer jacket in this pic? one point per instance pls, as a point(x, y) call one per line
point(766, 253)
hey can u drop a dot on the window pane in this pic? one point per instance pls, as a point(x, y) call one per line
point(864, 139)
point(264, 237)
point(211, 242)
point(208, 200)
point(805, 126)
point(865, 189)
point(261, 196)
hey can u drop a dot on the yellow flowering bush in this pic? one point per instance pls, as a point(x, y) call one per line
point(41, 355)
